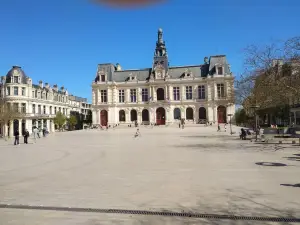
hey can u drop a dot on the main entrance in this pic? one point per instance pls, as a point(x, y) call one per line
point(160, 116)
point(103, 118)
point(221, 114)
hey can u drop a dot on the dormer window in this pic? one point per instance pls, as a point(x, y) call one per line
point(16, 79)
point(220, 70)
point(102, 78)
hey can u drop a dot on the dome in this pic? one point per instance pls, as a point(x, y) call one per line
point(16, 71)
point(160, 30)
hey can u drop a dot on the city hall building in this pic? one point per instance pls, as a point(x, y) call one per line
point(162, 94)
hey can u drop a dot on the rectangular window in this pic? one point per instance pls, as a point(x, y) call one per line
point(44, 109)
point(36, 94)
point(64, 111)
point(176, 93)
point(39, 109)
point(221, 90)
point(16, 91)
point(50, 110)
point(8, 90)
point(33, 94)
point(201, 92)
point(33, 108)
point(145, 95)
point(16, 107)
point(220, 70)
point(23, 108)
point(23, 91)
point(55, 110)
point(133, 95)
point(16, 79)
point(189, 92)
point(121, 95)
point(103, 95)
point(102, 78)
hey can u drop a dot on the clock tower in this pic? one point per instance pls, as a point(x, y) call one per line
point(160, 59)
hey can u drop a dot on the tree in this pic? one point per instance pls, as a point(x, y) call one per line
point(60, 120)
point(8, 113)
point(241, 117)
point(272, 76)
point(72, 122)
point(88, 119)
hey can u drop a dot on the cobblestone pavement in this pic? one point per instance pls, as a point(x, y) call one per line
point(193, 170)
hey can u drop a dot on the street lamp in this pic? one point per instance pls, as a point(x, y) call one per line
point(230, 115)
point(253, 111)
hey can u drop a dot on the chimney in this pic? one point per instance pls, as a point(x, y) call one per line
point(47, 85)
point(41, 84)
point(55, 87)
point(277, 62)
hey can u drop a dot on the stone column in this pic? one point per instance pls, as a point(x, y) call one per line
point(166, 92)
point(127, 116)
point(98, 116)
point(295, 118)
point(29, 125)
point(182, 92)
point(52, 126)
point(139, 95)
point(150, 91)
point(5, 130)
point(170, 92)
point(11, 128)
point(127, 95)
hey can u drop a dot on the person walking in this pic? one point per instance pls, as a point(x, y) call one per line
point(35, 133)
point(17, 134)
point(26, 135)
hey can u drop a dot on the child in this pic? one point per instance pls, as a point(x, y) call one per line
point(137, 133)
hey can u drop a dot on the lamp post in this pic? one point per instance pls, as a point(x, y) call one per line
point(254, 112)
point(230, 115)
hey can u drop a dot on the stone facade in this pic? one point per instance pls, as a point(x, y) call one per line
point(38, 103)
point(163, 94)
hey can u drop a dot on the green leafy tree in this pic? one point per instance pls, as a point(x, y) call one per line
point(60, 120)
point(241, 117)
point(72, 122)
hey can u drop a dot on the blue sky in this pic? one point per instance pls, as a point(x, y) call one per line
point(62, 41)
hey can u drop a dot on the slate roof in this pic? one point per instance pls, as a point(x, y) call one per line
point(175, 72)
point(10, 74)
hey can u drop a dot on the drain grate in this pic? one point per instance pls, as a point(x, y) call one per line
point(151, 213)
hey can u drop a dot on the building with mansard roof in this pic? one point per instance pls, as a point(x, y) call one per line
point(38, 103)
point(163, 94)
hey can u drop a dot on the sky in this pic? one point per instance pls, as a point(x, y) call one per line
point(62, 41)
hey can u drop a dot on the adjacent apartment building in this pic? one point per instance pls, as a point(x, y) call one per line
point(162, 94)
point(38, 103)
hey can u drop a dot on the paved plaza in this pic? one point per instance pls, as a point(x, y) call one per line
point(192, 170)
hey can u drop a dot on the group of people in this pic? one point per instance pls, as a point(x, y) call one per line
point(25, 134)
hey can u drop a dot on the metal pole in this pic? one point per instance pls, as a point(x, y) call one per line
point(230, 126)
point(255, 126)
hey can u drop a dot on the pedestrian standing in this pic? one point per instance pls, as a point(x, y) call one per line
point(17, 134)
point(26, 135)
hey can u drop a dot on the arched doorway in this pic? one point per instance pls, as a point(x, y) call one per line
point(16, 126)
point(122, 117)
point(202, 115)
point(103, 118)
point(160, 116)
point(160, 94)
point(133, 115)
point(177, 114)
point(23, 126)
point(221, 114)
point(189, 113)
point(145, 115)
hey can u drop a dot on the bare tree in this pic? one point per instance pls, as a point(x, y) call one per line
point(271, 76)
